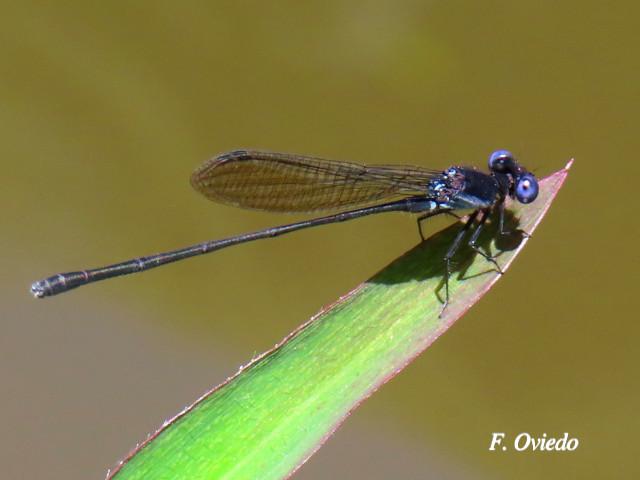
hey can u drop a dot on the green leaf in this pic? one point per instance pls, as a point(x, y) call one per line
point(278, 410)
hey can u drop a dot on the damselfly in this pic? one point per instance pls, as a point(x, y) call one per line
point(279, 182)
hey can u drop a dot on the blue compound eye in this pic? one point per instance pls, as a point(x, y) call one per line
point(501, 161)
point(526, 188)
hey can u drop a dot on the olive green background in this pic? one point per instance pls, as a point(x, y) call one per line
point(106, 108)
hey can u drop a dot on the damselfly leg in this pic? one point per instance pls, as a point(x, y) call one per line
point(432, 214)
point(474, 238)
point(455, 245)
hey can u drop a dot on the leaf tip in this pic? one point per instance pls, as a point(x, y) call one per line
point(569, 164)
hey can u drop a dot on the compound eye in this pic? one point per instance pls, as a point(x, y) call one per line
point(526, 188)
point(501, 161)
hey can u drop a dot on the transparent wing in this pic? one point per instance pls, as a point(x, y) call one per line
point(281, 182)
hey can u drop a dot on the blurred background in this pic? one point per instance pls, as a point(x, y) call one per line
point(107, 107)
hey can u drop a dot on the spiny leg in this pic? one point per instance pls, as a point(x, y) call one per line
point(501, 207)
point(433, 213)
point(474, 239)
point(451, 252)
point(503, 232)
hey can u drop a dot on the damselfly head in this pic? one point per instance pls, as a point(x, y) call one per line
point(524, 186)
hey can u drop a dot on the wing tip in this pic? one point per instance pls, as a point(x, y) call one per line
point(200, 173)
